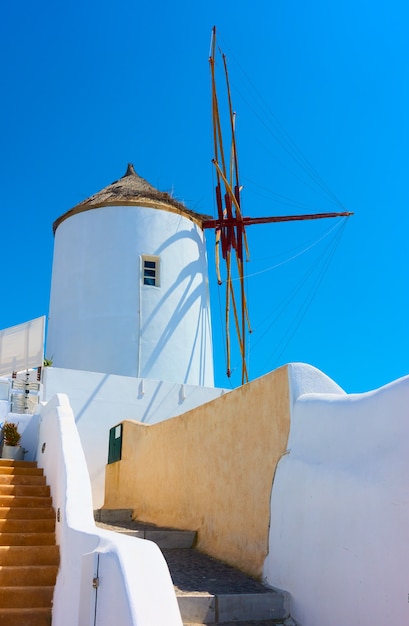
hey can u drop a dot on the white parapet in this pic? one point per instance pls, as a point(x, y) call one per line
point(104, 578)
point(340, 507)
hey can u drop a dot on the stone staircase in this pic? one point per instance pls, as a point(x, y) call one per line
point(208, 591)
point(29, 556)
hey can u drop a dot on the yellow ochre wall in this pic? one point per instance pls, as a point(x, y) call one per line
point(210, 469)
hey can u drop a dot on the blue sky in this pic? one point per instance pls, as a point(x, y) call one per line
point(88, 87)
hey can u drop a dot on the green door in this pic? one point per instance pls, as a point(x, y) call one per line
point(115, 444)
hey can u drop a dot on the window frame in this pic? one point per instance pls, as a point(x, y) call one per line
point(150, 273)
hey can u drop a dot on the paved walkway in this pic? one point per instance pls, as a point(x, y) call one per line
point(195, 572)
point(192, 570)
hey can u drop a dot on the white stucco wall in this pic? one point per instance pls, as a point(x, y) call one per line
point(340, 506)
point(103, 319)
point(130, 570)
point(100, 401)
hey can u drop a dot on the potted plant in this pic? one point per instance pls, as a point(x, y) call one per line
point(11, 442)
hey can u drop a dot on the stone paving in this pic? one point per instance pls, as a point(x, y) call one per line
point(192, 570)
point(195, 572)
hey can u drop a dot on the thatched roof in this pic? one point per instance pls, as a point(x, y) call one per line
point(132, 190)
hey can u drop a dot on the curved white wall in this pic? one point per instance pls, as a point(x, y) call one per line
point(103, 319)
point(130, 570)
point(340, 507)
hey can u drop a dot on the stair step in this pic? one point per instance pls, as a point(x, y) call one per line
point(26, 597)
point(27, 539)
point(166, 539)
point(110, 516)
point(25, 490)
point(21, 479)
point(25, 501)
point(211, 592)
point(15, 575)
point(208, 591)
point(20, 470)
point(43, 512)
point(237, 608)
point(27, 525)
point(29, 555)
point(26, 617)
point(11, 463)
point(120, 521)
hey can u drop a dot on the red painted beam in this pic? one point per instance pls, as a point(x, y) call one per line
point(248, 221)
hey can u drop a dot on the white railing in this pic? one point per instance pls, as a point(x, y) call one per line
point(104, 578)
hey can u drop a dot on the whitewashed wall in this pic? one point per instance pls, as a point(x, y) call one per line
point(103, 319)
point(340, 505)
point(100, 401)
point(130, 570)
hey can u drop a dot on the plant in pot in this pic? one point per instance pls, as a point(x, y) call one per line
point(11, 442)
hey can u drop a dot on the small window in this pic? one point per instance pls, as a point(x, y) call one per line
point(150, 271)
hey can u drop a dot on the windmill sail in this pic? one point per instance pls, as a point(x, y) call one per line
point(230, 225)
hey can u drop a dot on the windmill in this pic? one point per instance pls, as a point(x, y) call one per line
point(230, 225)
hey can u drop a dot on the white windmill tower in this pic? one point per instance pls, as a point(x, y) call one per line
point(129, 290)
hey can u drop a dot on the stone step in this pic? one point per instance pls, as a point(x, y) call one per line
point(211, 592)
point(22, 479)
point(237, 608)
point(23, 464)
point(165, 539)
point(25, 490)
point(26, 597)
point(120, 521)
point(109, 516)
point(8, 525)
point(43, 512)
point(208, 591)
point(25, 501)
point(18, 470)
point(29, 555)
point(15, 575)
point(27, 539)
point(40, 616)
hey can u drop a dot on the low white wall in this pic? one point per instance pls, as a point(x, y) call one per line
point(100, 401)
point(340, 507)
point(27, 423)
point(130, 570)
point(27, 426)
